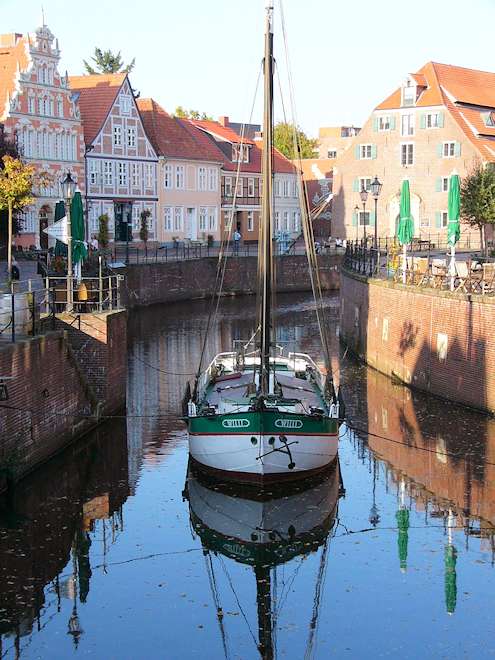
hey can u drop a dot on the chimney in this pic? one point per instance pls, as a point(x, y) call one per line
point(224, 121)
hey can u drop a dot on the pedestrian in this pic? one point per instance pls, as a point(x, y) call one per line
point(15, 272)
point(237, 239)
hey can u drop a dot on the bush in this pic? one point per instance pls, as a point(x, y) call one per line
point(103, 237)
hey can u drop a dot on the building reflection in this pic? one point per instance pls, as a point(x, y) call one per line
point(48, 525)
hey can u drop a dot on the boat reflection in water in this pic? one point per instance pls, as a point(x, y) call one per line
point(264, 528)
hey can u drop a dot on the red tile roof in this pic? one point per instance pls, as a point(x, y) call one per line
point(97, 95)
point(13, 58)
point(173, 138)
point(220, 131)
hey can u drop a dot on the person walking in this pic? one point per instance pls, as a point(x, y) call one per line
point(237, 241)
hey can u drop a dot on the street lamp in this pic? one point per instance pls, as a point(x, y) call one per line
point(68, 189)
point(376, 187)
point(364, 197)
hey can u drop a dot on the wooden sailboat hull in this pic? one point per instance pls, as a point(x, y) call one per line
point(263, 446)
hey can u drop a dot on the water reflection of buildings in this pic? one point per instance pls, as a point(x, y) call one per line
point(48, 527)
point(439, 458)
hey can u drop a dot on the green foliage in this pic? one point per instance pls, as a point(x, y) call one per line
point(478, 197)
point(144, 231)
point(103, 237)
point(8, 148)
point(190, 114)
point(107, 62)
point(16, 183)
point(283, 139)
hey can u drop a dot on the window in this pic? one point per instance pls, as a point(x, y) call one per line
point(407, 154)
point(167, 218)
point(149, 176)
point(332, 153)
point(60, 106)
point(432, 120)
point(227, 220)
point(178, 216)
point(285, 187)
point(276, 188)
point(131, 137)
point(203, 219)
point(239, 190)
point(286, 221)
point(136, 178)
point(277, 221)
point(93, 172)
point(125, 105)
point(202, 180)
point(489, 118)
point(250, 221)
point(31, 105)
point(407, 125)
point(212, 219)
point(364, 218)
point(40, 106)
point(444, 219)
point(425, 223)
point(365, 151)
point(108, 172)
point(117, 136)
point(167, 177)
point(93, 215)
point(179, 177)
point(445, 184)
point(409, 95)
point(365, 182)
point(122, 174)
point(240, 153)
point(228, 186)
point(448, 149)
point(295, 191)
point(250, 187)
point(384, 123)
point(296, 221)
point(212, 179)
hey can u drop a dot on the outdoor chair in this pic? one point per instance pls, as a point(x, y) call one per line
point(421, 271)
point(488, 283)
point(462, 276)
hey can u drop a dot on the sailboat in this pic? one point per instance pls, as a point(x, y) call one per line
point(264, 529)
point(256, 414)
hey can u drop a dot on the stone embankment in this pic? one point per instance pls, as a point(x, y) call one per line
point(436, 341)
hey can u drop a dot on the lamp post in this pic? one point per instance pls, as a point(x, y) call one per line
point(68, 189)
point(364, 198)
point(357, 211)
point(376, 187)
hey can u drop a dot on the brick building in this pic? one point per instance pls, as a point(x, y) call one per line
point(334, 140)
point(246, 212)
point(441, 120)
point(188, 176)
point(121, 162)
point(317, 174)
point(37, 110)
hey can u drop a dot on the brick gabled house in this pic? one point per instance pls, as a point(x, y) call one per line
point(38, 111)
point(246, 213)
point(439, 121)
point(121, 162)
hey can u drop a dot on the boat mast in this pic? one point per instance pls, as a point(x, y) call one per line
point(266, 209)
point(264, 601)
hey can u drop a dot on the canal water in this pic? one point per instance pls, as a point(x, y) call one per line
point(114, 551)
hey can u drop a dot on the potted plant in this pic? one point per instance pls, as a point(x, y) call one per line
point(143, 231)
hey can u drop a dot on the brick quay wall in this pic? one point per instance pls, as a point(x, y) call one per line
point(436, 341)
point(148, 284)
point(60, 384)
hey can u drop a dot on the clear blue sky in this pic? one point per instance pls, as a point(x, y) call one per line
point(346, 56)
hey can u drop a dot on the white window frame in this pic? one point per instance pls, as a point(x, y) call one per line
point(277, 221)
point(168, 218)
point(240, 187)
point(228, 216)
point(364, 218)
point(366, 182)
point(168, 177)
point(447, 147)
point(180, 177)
point(125, 104)
point(296, 221)
point(202, 178)
point(93, 173)
point(250, 220)
point(131, 136)
point(409, 129)
point(332, 153)
point(409, 148)
point(136, 175)
point(227, 186)
point(117, 135)
point(445, 219)
point(366, 151)
point(250, 186)
point(212, 218)
point(203, 219)
point(149, 176)
point(286, 221)
point(178, 218)
point(108, 172)
point(276, 188)
point(212, 179)
point(285, 187)
point(383, 123)
point(122, 174)
point(428, 120)
point(445, 184)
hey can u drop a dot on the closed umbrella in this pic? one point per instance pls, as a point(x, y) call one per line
point(454, 226)
point(405, 230)
point(60, 248)
point(79, 247)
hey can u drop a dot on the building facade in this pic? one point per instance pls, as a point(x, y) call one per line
point(241, 183)
point(189, 175)
point(38, 111)
point(437, 123)
point(121, 163)
point(334, 140)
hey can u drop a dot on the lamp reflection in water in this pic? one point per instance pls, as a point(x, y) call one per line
point(74, 628)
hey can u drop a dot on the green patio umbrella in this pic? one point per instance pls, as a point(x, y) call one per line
point(405, 231)
point(402, 517)
point(454, 226)
point(60, 248)
point(79, 247)
point(450, 578)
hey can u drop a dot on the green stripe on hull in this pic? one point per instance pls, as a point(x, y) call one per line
point(258, 423)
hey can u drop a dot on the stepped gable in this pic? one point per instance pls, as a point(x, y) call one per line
point(14, 59)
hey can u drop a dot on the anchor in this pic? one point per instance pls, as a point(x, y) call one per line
point(283, 450)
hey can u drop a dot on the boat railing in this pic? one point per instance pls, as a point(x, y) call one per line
point(207, 374)
point(318, 374)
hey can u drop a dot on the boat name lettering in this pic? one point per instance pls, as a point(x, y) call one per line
point(235, 423)
point(288, 423)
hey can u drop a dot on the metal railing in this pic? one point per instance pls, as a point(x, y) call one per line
point(468, 274)
point(29, 311)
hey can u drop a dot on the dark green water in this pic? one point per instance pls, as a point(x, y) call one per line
point(109, 553)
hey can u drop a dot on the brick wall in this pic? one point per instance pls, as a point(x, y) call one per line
point(195, 279)
point(436, 341)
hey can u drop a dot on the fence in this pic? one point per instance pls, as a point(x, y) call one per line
point(463, 275)
point(26, 311)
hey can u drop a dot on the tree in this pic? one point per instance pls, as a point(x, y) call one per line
point(191, 114)
point(283, 139)
point(107, 62)
point(8, 147)
point(144, 232)
point(16, 185)
point(478, 199)
point(103, 237)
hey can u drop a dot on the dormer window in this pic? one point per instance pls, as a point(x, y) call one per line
point(489, 118)
point(240, 153)
point(409, 93)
